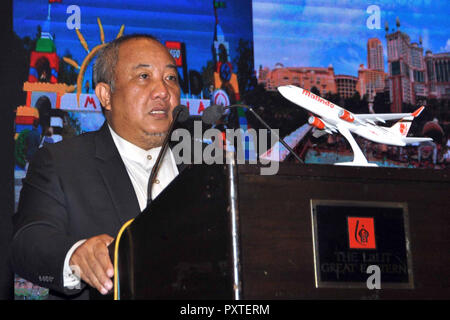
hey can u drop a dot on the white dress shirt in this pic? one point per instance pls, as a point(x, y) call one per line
point(138, 163)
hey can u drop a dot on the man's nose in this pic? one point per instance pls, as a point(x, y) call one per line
point(160, 90)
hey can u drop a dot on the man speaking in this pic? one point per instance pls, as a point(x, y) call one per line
point(78, 193)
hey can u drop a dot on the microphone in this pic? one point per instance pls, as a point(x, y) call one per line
point(215, 112)
point(182, 112)
point(212, 114)
point(179, 114)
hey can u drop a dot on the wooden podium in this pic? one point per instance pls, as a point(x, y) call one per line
point(180, 248)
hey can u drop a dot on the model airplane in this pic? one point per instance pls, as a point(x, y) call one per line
point(332, 119)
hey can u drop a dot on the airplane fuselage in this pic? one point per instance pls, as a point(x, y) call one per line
point(333, 116)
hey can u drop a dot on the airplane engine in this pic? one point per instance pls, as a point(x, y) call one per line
point(346, 116)
point(316, 122)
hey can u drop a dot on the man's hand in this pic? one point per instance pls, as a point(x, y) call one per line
point(92, 257)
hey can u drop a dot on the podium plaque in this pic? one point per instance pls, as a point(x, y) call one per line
point(353, 239)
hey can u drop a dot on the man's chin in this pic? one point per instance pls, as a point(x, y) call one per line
point(155, 139)
point(156, 134)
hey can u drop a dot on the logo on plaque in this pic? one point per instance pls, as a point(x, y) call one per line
point(347, 241)
point(361, 233)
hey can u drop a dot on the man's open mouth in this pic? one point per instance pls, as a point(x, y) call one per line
point(158, 112)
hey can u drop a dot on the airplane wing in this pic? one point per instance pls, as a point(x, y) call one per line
point(409, 140)
point(382, 117)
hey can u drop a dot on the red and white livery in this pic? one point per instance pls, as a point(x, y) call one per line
point(331, 118)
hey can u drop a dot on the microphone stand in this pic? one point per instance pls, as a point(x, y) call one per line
point(161, 154)
point(233, 201)
point(270, 130)
point(233, 210)
point(210, 116)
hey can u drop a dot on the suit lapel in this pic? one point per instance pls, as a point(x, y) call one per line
point(115, 176)
point(181, 167)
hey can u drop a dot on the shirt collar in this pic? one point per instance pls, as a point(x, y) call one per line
point(130, 151)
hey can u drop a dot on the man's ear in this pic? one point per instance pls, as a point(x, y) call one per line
point(103, 93)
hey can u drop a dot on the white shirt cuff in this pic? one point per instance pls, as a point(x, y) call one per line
point(71, 279)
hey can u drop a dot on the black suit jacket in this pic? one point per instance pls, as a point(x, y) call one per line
point(74, 190)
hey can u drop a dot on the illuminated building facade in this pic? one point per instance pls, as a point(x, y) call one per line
point(305, 77)
point(346, 85)
point(438, 75)
point(375, 59)
point(406, 70)
point(411, 77)
point(370, 82)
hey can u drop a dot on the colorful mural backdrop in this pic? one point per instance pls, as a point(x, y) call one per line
point(211, 42)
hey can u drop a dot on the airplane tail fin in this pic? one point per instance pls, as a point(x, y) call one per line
point(417, 112)
point(402, 126)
